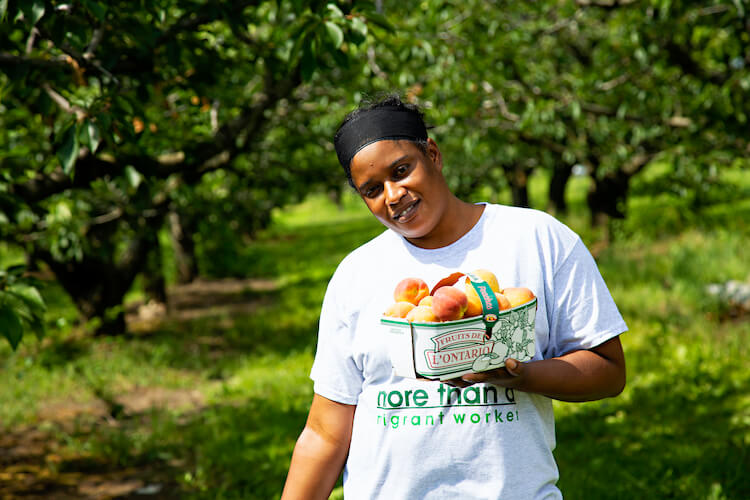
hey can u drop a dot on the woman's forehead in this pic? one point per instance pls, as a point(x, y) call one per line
point(383, 153)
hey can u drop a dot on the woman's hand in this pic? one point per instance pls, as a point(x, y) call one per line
point(584, 375)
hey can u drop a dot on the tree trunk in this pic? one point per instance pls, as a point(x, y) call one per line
point(335, 195)
point(518, 178)
point(181, 233)
point(98, 285)
point(607, 196)
point(556, 198)
point(155, 285)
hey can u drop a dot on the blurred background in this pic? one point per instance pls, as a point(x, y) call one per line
point(171, 209)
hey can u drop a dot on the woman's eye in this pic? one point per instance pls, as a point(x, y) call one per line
point(401, 170)
point(371, 192)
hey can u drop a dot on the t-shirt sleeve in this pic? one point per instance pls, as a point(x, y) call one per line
point(584, 314)
point(335, 373)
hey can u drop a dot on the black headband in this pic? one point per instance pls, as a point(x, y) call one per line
point(386, 123)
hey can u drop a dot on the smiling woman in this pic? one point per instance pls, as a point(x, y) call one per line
point(398, 172)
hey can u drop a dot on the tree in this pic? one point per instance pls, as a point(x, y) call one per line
point(612, 86)
point(117, 116)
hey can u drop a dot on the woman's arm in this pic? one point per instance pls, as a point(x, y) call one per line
point(584, 375)
point(321, 450)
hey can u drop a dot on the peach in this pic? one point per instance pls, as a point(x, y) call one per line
point(449, 303)
point(489, 277)
point(422, 314)
point(427, 301)
point(411, 290)
point(502, 301)
point(475, 305)
point(399, 309)
point(518, 295)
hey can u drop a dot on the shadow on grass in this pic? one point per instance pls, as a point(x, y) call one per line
point(272, 255)
point(216, 452)
point(242, 452)
point(277, 322)
point(277, 319)
point(678, 437)
point(60, 352)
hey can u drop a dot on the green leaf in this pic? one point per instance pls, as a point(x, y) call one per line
point(16, 270)
point(301, 37)
point(124, 105)
point(575, 109)
point(3, 8)
point(341, 59)
point(37, 326)
point(308, 63)
point(334, 34)
point(359, 26)
point(33, 11)
point(10, 326)
point(68, 151)
point(93, 136)
point(133, 176)
point(335, 11)
point(739, 7)
point(30, 295)
point(428, 50)
point(379, 20)
point(297, 6)
point(96, 8)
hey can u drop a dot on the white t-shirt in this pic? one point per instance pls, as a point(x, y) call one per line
point(417, 439)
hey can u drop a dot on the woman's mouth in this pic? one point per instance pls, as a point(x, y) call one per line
point(407, 213)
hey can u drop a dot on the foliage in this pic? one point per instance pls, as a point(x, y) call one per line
point(610, 87)
point(22, 307)
point(118, 117)
point(120, 120)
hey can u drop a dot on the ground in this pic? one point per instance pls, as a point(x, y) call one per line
point(35, 464)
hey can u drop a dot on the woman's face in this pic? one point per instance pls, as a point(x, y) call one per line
point(404, 189)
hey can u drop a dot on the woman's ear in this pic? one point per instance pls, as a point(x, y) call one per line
point(433, 151)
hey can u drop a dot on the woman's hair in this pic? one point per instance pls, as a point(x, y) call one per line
point(369, 104)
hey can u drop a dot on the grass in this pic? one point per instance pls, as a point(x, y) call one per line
point(682, 427)
point(230, 389)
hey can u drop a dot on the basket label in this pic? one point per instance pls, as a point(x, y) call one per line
point(458, 338)
point(490, 305)
point(469, 348)
point(452, 358)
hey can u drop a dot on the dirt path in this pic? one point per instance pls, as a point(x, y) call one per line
point(34, 464)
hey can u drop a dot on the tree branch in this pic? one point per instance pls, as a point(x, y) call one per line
point(681, 56)
point(615, 82)
point(31, 40)
point(7, 60)
point(139, 59)
point(191, 164)
point(605, 4)
point(96, 39)
point(63, 103)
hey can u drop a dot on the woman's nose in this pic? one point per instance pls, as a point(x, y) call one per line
point(393, 192)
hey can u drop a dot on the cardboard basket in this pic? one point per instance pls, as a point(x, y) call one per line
point(453, 348)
